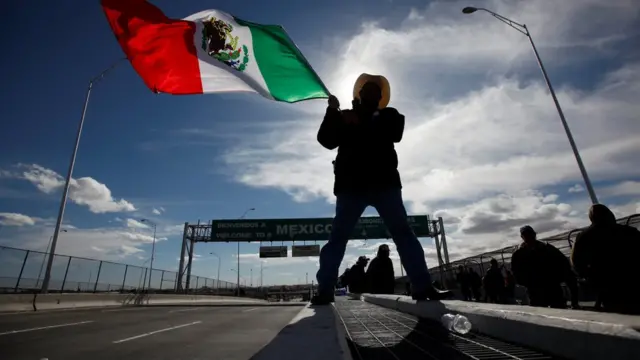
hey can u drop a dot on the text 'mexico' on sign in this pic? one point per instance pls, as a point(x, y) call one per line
point(305, 229)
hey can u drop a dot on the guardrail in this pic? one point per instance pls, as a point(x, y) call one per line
point(23, 271)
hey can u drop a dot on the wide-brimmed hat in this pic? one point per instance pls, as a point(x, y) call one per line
point(379, 80)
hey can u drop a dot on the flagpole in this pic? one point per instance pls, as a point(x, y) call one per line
point(65, 191)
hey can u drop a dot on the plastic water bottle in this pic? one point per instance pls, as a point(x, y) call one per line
point(456, 323)
point(447, 321)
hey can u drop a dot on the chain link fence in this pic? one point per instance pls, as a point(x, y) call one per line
point(23, 271)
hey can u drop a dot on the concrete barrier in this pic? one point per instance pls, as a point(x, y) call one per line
point(571, 334)
point(17, 302)
point(31, 302)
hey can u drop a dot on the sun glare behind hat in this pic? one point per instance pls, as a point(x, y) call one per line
point(381, 81)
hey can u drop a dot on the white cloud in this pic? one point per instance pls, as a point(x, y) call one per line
point(156, 211)
point(127, 241)
point(173, 229)
point(135, 224)
point(576, 188)
point(356, 243)
point(632, 207)
point(15, 219)
point(624, 188)
point(8, 174)
point(497, 156)
point(82, 191)
point(101, 243)
point(483, 146)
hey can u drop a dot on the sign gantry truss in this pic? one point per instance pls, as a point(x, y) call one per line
point(267, 231)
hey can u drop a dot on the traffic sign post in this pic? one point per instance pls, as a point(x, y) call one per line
point(273, 251)
point(305, 229)
point(305, 250)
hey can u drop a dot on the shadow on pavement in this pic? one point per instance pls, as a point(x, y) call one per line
point(310, 335)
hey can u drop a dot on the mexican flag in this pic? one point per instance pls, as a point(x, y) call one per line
point(211, 52)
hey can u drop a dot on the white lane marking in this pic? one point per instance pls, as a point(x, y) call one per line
point(188, 309)
point(156, 332)
point(44, 328)
point(249, 309)
point(128, 308)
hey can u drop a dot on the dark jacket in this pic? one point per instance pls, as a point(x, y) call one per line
point(356, 279)
point(343, 280)
point(605, 252)
point(540, 265)
point(380, 276)
point(493, 281)
point(474, 279)
point(367, 159)
point(606, 255)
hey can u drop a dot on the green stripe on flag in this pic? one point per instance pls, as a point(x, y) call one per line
point(287, 74)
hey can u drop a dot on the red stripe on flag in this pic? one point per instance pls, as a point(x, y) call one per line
point(161, 50)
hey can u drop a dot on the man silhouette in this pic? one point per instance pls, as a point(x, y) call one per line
point(366, 174)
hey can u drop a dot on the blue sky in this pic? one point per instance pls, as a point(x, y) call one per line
point(483, 148)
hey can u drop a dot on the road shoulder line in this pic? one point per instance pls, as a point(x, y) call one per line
point(156, 332)
point(44, 328)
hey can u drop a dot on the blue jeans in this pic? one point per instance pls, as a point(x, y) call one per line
point(349, 208)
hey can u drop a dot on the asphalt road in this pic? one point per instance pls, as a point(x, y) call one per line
point(141, 333)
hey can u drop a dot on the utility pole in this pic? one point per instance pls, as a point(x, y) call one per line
point(241, 217)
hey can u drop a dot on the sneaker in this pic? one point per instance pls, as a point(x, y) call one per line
point(432, 294)
point(322, 299)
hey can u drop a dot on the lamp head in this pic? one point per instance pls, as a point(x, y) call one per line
point(469, 10)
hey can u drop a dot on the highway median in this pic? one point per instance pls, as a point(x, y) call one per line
point(572, 334)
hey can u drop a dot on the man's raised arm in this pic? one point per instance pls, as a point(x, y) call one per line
point(329, 133)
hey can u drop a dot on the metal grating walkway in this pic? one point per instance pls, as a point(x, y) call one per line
point(377, 333)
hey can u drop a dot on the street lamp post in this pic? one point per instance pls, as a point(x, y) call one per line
point(67, 183)
point(141, 281)
point(237, 272)
point(261, 274)
point(45, 257)
point(153, 250)
point(218, 274)
point(251, 283)
point(522, 28)
point(241, 217)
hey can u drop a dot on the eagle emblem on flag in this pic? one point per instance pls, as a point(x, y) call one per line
point(219, 43)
